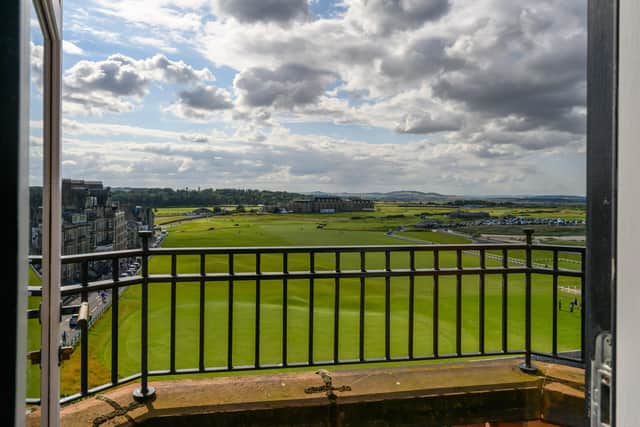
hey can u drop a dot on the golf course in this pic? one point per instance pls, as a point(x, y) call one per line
point(319, 230)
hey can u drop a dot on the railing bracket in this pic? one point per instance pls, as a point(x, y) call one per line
point(64, 353)
point(328, 386)
point(34, 357)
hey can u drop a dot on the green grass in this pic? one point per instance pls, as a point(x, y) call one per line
point(516, 230)
point(33, 339)
point(435, 210)
point(435, 237)
point(292, 230)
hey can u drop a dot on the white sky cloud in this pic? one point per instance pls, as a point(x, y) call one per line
point(71, 48)
point(468, 94)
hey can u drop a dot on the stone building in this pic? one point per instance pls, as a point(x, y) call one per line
point(120, 231)
point(330, 205)
point(137, 218)
point(92, 222)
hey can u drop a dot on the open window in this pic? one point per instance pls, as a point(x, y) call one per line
point(613, 98)
point(45, 47)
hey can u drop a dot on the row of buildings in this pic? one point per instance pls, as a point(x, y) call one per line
point(330, 205)
point(92, 222)
point(484, 218)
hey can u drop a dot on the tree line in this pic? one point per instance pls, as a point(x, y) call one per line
point(168, 197)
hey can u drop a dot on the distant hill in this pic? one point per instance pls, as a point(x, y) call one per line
point(431, 197)
point(419, 196)
point(548, 199)
point(167, 197)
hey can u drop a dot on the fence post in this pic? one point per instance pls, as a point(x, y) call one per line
point(144, 393)
point(527, 366)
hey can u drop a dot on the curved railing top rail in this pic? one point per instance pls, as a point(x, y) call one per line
point(99, 256)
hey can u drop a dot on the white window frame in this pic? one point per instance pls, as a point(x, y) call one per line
point(627, 413)
point(627, 373)
point(50, 17)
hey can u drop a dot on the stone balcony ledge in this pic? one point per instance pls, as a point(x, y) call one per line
point(461, 393)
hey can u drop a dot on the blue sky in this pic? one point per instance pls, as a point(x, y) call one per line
point(453, 96)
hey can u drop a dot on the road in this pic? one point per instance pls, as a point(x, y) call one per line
point(97, 306)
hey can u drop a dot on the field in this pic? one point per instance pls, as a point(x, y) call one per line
point(396, 215)
point(292, 230)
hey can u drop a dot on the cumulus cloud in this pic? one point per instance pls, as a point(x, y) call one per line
point(37, 55)
point(418, 61)
point(161, 68)
point(280, 11)
point(207, 98)
point(194, 138)
point(114, 84)
point(487, 87)
point(484, 59)
point(426, 123)
point(541, 85)
point(288, 86)
point(198, 103)
point(384, 16)
point(118, 75)
point(280, 160)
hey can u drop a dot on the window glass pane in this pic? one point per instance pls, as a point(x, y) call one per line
point(35, 191)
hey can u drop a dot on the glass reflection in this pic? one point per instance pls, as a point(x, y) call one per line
point(35, 191)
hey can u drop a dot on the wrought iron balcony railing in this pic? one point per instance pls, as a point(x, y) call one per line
point(444, 266)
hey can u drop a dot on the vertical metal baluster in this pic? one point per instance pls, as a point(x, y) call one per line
point(285, 301)
point(436, 297)
point(483, 266)
point(412, 293)
point(230, 315)
point(505, 300)
point(257, 327)
point(583, 331)
point(172, 335)
point(115, 294)
point(202, 312)
point(144, 392)
point(84, 333)
point(312, 269)
point(459, 302)
point(555, 304)
point(387, 306)
point(363, 269)
point(336, 314)
point(527, 366)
